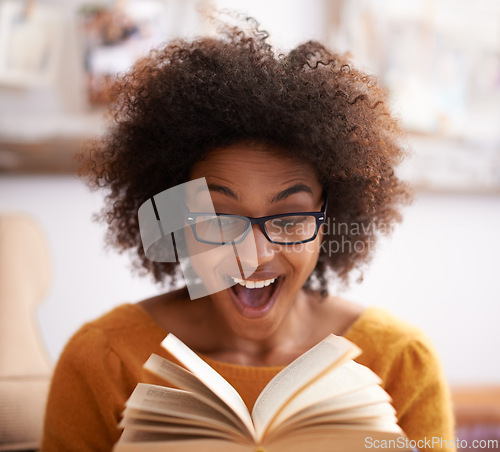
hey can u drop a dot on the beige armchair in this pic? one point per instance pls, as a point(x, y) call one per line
point(24, 367)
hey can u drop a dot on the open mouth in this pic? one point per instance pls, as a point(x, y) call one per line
point(254, 298)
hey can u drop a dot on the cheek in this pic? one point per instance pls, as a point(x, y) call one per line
point(214, 264)
point(303, 257)
point(200, 263)
point(205, 258)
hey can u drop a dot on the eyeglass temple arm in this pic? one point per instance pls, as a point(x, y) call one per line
point(325, 204)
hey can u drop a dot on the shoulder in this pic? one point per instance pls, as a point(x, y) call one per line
point(392, 345)
point(93, 335)
point(115, 337)
point(122, 320)
point(378, 328)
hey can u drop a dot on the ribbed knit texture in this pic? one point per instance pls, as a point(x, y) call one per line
point(102, 363)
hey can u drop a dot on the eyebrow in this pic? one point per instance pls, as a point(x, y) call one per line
point(223, 190)
point(297, 188)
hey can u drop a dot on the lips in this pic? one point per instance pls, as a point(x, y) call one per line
point(253, 298)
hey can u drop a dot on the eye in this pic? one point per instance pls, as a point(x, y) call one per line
point(228, 221)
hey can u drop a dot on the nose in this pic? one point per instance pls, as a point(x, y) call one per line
point(265, 249)
point(255, 250)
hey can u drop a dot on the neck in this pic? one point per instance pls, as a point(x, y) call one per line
point(258, 344)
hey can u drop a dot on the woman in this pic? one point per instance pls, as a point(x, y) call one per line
point(271, 136)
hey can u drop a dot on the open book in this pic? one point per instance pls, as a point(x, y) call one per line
point(322, 401)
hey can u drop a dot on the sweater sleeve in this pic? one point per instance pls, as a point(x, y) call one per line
point(420, 395)
point(88, 389)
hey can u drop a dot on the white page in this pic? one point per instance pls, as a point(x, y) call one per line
point(173, 402)
point(368, 396)
point(140, 441)
point(212, 379)
point(333, 440)
point(184, 379)
point(132, 414)
point(333, 350)
point(177, 375)
point(190, 430)
point(380, 411)
point(341, 380)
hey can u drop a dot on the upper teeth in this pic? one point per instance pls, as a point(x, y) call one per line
point(253, 284)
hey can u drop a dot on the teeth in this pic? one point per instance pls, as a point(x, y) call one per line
point(253, 284)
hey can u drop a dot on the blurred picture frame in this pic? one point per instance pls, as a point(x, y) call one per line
point(114, 37)
point(30, 43)
point(440, 60)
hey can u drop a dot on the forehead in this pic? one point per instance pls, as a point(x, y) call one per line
point(253, 165)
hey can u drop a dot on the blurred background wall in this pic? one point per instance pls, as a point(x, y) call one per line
point(439, 269)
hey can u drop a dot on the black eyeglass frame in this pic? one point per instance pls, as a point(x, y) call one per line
point(261, 221)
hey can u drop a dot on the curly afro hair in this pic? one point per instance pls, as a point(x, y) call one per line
point(189, 97)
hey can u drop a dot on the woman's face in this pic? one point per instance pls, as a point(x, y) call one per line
point(257, 181)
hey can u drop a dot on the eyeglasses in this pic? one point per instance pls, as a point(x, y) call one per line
point(283, 229)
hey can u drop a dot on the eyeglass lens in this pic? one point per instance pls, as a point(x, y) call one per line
point(219, 229)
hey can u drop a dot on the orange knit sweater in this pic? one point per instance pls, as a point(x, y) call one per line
point(101, 365)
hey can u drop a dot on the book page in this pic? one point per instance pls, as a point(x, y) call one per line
point(144, 441)
point(331, 351)
point(212, 379)
point(360, 415)
point(178, 376)
point(173, 402)
point(369, 426)
point(345, 379)
point(331, 408)
point(134, 413)
point(184, 379)
point(130, 415)
point(181, 429)
point(323, 439)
